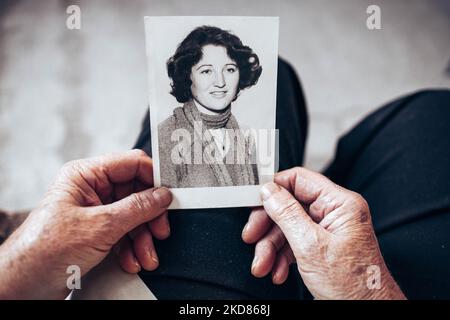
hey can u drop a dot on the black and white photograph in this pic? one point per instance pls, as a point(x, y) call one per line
point(212, 98)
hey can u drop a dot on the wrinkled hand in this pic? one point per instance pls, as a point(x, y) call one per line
point(325, 229)
point(91, 205)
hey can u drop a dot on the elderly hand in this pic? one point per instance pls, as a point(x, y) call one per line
point(91, 205)
point(324, 228)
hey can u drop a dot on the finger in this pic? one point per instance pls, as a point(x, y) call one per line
point(298, 228)
point(313, 189)
point(127, 259)
point(101, 173)
point(126, 166)
point(138, 208)
point(280, 270)
point(160, 227)
point(258, 224)
point(266, 251)
point(145, 249)
point(305, 184)
point(265, 254)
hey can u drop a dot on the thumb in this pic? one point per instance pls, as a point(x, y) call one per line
point(140, 207)
point(297, 226)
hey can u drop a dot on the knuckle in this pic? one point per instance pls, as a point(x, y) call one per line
point(73, 166)
point(363, 204)
point(136, 202)
point(142, 202)
point(69, 166)
point(359, 208)
point(317, 206)
point(298, 170)
point(271, 243)
point(265, 247)
point(277, 239)
point(359, 202)
point(287, 210)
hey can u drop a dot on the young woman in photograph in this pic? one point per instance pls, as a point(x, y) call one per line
point(208, 70)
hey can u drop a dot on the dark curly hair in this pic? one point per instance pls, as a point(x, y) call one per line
point(189, 53)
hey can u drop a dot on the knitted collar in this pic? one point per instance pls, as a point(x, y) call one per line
point(215, 121)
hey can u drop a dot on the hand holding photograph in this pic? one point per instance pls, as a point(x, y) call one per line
point(212, 97)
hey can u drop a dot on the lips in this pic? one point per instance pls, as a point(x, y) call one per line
point(218, 94)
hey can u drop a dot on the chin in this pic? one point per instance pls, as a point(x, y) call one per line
point(220, 106)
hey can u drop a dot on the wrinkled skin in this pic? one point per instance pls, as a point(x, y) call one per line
point(325, 229)
point(92, 204)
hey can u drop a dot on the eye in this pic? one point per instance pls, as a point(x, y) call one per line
point(206, 71)
point(231, 69)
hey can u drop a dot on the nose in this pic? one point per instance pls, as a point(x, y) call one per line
point(220, 80)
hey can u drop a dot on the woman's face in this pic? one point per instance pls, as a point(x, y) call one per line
point(215, 78)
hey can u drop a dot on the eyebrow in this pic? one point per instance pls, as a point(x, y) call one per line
point(210, 65)
point(204, 65)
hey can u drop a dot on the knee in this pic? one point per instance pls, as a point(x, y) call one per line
point(429, 99)
point(427, 105)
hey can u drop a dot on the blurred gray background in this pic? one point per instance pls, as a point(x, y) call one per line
point(67, 94)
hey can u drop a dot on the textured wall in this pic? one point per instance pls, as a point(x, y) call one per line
point(69, 94)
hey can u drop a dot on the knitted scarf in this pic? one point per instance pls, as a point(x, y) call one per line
point(189, 114)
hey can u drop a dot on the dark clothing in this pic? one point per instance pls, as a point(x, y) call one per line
point(398, 158)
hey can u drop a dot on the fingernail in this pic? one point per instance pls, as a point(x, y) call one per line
point(136, 263)
point(254, 263)
point(163, 196)
point(268, 189)
point(246, 227)
point(152, 255)
point(275, 278)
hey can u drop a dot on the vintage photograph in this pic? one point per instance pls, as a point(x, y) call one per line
point(212, 98)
